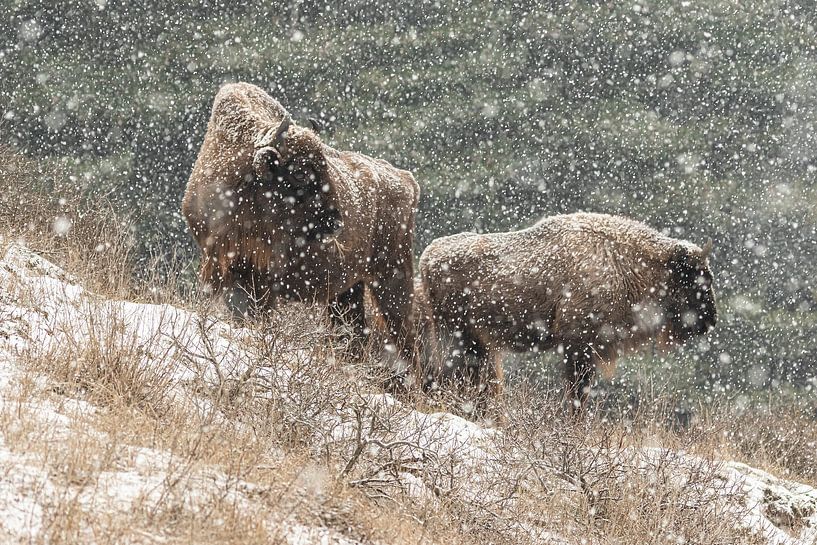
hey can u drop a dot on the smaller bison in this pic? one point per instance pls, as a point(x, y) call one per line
point(593, 286)
point(281, 216)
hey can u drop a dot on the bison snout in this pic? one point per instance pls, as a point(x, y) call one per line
point(710, 321)
point(706, 321)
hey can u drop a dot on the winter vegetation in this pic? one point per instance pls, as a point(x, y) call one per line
point(144, 414)
point(134, 408)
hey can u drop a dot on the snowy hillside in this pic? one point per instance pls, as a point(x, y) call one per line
point(76, 464)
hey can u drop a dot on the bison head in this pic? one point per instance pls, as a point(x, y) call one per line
point(291, 174)
point(690, 300)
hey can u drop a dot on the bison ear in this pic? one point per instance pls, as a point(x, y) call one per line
point(264, 163)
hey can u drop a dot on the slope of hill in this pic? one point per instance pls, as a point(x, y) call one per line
point(127, 422)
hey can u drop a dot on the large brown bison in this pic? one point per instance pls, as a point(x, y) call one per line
point(281, 216)
point(591, 285)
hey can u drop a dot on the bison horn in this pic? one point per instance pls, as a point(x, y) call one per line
point(274, 137)
point(707, 249)
point(281, 131)
point(317, 126)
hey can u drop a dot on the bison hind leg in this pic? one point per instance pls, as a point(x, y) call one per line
point(461, 362)
point(580, 372)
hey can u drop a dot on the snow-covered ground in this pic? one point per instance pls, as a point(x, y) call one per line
point(45, 311)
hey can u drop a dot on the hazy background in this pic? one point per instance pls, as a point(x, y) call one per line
point(696, 117)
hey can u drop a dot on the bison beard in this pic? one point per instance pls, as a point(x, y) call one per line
point(591, 286)
point(280, 216)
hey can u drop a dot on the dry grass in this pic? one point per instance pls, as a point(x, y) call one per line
point(284, 461)
point(236, 465)
point(625, 480)
point(42, 207)
point(293, 436)
point(778, 437)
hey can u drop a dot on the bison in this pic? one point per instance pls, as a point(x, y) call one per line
point(593, 286)
point(281, 216)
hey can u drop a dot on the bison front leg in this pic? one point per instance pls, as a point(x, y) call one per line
point(580, 372)
point(233, 282)
point(491, 385)
point(348, 310)
point(247, 294)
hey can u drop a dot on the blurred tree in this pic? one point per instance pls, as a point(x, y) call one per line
point(696, 117)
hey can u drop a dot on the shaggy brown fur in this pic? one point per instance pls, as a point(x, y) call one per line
point(592, 285)
point(281, 216)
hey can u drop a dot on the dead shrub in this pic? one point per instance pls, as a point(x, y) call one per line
point(95, 359)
